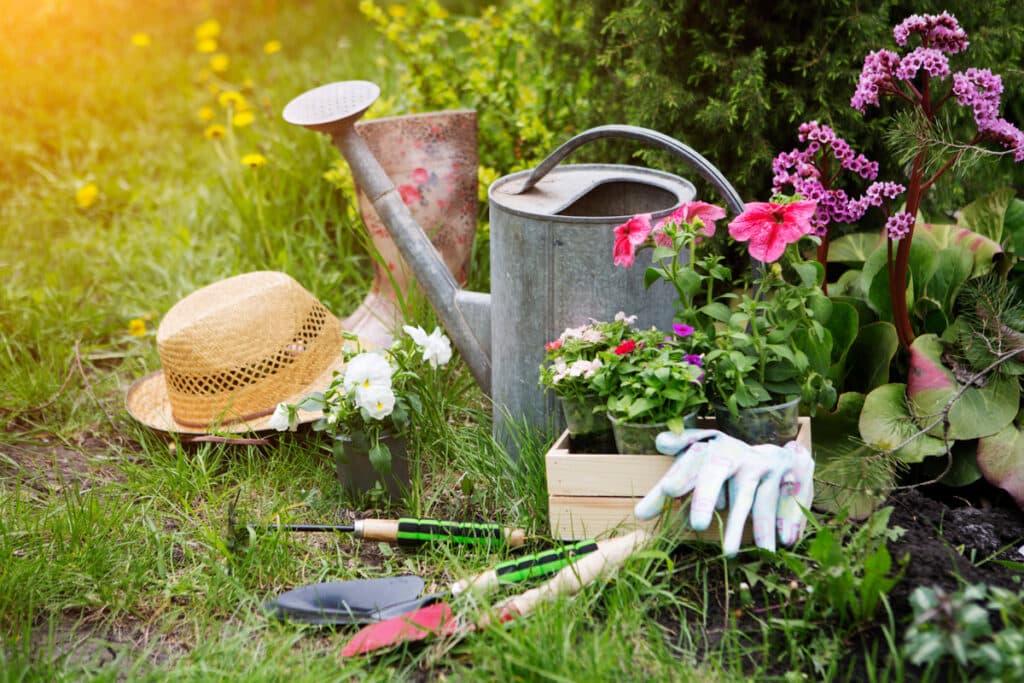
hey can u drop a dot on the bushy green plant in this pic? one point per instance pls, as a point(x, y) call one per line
point(698, 68)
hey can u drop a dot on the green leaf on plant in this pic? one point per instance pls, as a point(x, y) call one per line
point(652, 275)
point(717, 311)
point(978, 412)
point(854, 248)
point(811, 273)
point(963, 470)
point(848, 475)
point(1001, 460)
point(1013, 227)
point(380, 458)
point(985, 215)
point(870, 356)
point(886, 423)
point(842, 325)
point(954, 267)
point(983, 250)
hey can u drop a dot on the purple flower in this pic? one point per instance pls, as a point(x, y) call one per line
point(695, 359)
point(682, 330)
point(939, 31)
point(898, 226)
point(876, 78)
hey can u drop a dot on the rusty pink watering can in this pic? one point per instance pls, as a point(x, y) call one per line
point(551, 250)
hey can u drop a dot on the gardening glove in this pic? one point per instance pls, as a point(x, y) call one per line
point(775, 482)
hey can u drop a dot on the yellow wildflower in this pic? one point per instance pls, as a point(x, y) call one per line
point(436, 11)
point(215, 132)
point(242, 119)
point(205, 114)
point(397, 11)
point(206, 45)
point(219, 63)
point(87, 195)
point(254, 160)
point(213, 88)
point(141, 40)
point(137, 327)
point(208, 29)
point(271, 46)
point(232, 99)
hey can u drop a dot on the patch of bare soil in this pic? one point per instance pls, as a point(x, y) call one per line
point(47, 463)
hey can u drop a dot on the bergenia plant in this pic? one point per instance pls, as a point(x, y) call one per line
point(813, 173)
point(379, 393)
point(923, 80)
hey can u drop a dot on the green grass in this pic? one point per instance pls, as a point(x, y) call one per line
point(114, 558)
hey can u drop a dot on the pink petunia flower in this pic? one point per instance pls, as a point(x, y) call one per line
point(770, 227)
point(628, 237)
point(682, 330)
point(687, 213)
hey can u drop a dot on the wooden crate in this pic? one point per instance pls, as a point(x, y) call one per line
point(591, 494)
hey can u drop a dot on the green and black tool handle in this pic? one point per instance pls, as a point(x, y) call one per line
point(408, 531)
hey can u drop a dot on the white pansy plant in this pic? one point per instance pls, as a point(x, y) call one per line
point(379, 393)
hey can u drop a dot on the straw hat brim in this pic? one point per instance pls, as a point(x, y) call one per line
point(147, 401)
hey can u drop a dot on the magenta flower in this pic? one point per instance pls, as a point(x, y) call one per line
point(686, 214)
point(770, 227)
point(694, 359)
point(682, 330)
point(628, 237)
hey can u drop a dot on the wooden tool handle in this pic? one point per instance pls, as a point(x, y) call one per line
point(410, 531)
point(568, 581)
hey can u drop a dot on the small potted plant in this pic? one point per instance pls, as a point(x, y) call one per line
point(371, 409)
point(652, 383)
point(767, 351)
point(570, 364)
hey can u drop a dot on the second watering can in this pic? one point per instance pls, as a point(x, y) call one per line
point(551, 250)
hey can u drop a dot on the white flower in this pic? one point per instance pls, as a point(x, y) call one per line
point(378, 401)
point(281, 420)
point(437, 349)
point(628, 319)
point(367, 370)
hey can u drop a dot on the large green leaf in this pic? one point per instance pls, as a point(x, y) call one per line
point(848, 474)
point(854, 248)
point(1001, 459)
point(953, 268)
point(983, 250)
point(842, 324)
point(869, 358)
point(886, 423)
point(1013, 227)
point(874, 279)
point(962, 471)
point(978, 412)
point(923, 262)
point(985, 215)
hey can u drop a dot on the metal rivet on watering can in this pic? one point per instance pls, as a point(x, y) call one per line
point(551, 250)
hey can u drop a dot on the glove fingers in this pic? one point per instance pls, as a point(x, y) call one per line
point(671, 443)
point(651, 505)
point(709, 485)
point(766, 502)
point(741, 498)
point(798, 494)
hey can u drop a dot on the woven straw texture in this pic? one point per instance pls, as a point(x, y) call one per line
point(232, 351)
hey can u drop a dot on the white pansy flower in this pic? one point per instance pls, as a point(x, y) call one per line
point(367, 370)
point(628, 319)
point(437, 349)
point(378, 401)
point(281, 419)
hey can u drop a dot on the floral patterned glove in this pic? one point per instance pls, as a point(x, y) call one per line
point(776, 483)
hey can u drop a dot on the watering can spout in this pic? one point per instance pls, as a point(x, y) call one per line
point(333, 109)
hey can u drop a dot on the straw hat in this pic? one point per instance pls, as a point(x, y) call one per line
point(232, 351)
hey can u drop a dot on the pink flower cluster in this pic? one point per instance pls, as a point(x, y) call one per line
point(632, 234)
point(941, 35)
point(899, 224)
point(941, 31)
point(802, 171)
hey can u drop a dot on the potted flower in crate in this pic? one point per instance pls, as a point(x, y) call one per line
point(370, 410)
point(652, 383)
point(769, 349)
point(570, 365)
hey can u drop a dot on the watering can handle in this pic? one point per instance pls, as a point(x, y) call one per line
point(653, 137)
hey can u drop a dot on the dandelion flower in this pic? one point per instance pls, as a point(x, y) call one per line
point(271, 46)
point(206, 46)
point(87, 195)
point(254, 160)
point(219, 63)
point(232, 99)
point(205, 114)
point(397, 11)
point(215, 132)
point(242, 119)
point(137, 327)
point(141, 40)
point(208, 29)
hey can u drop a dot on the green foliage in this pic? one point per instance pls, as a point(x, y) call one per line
point(734, 80)
point(958, 626)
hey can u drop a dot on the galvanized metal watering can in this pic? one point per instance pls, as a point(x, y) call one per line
point(551, 249)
